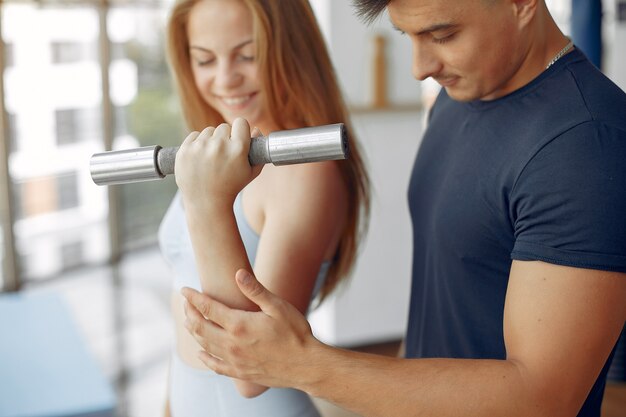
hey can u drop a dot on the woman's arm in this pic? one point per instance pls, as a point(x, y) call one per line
point(303, 209)
point(211, 168)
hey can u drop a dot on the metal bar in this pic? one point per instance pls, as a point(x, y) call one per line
point(10, 269)
point(283, 147)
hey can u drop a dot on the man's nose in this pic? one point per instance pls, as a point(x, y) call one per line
point(425, 62)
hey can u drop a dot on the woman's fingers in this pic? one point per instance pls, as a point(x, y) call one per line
point(213, 164)
point(206, 133)
point(222, 132)
point(241, 131)
point(191, 137)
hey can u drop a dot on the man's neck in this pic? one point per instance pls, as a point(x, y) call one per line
point(546, 42)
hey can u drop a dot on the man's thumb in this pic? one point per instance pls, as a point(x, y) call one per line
point(253, 289)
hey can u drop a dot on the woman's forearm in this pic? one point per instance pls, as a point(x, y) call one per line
point(218, 250)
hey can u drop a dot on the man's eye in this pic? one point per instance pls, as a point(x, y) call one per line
point(443, 39)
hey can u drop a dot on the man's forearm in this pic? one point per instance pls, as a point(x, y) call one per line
point(373, 385)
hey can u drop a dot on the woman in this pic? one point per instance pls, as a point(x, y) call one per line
point(264, 61)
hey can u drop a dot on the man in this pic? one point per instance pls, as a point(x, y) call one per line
point(518, 201)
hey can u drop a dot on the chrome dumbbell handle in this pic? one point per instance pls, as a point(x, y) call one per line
point(283, 147)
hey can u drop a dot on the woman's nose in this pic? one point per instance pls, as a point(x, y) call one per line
point(227, 75)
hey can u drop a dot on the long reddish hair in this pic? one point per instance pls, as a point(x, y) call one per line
point(301, 90)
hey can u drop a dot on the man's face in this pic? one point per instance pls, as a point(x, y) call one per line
point(471, 47)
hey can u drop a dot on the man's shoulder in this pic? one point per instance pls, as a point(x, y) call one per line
point(602, 98)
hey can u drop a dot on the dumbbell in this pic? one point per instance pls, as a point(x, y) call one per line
point(283, 147)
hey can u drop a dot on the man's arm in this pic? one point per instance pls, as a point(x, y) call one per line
point(560, 324)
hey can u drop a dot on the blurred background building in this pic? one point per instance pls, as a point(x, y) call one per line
point(59, 110)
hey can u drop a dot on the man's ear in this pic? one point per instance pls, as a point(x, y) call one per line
point(525, 11)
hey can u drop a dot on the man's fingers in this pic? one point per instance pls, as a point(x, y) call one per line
point(209, 308)
point(256, 292)
point(207, 334)
point(214, 363)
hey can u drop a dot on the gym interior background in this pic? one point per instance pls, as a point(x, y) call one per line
point(82, 281)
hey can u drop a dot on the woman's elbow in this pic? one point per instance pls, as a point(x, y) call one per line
point(249, 389)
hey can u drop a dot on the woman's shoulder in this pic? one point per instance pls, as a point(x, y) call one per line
point(304, 188)
point(321, 178)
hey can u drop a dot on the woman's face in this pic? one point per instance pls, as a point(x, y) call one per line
point(223, 59)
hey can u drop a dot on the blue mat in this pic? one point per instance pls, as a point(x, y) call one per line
point(46, 369)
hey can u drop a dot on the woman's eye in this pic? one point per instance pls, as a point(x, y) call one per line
point(205, 62)
point(246, 58)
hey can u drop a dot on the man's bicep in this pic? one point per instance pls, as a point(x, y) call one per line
point(560, 325)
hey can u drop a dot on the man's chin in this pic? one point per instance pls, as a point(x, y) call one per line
point(458, 94)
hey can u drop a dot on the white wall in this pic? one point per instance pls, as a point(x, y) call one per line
point(350, 44)
point(373, 305)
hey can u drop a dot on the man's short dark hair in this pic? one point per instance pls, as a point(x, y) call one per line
point(369, 10)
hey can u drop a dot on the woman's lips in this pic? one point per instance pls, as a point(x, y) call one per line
point(236, 101)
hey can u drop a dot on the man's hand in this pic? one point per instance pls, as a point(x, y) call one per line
point(268, 347)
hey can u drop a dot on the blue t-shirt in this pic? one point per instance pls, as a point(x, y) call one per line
point(539, 174)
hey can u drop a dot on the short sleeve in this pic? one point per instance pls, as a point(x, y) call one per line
point(568, 204)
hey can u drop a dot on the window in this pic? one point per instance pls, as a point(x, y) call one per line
point(16, 192)
point(121, 124)
point(45, 195)
point(37, 196)
point(68, 52)
point(67, 191)
point(8, 55)
point(75, 125)
point(53, 95)
point(66, 127)
point(118, 51)
point(12, 130)
point(71, 254)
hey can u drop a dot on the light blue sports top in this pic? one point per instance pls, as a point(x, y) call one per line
point(176, 248)
point(199, 392)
